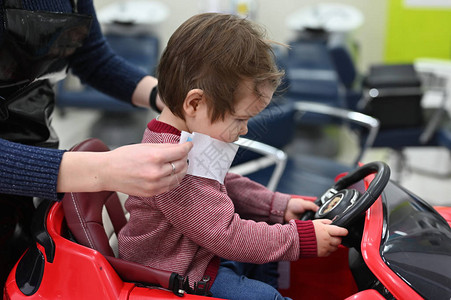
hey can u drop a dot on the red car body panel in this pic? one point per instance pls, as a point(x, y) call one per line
point(370, 246)
point(326, 278)
point(78, 272)
point(445, 212)
point(365, 295)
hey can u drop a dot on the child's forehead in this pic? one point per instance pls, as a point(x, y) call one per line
point(253, 104)
point(248, 87)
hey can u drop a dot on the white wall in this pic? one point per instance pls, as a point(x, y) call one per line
point(272, 14)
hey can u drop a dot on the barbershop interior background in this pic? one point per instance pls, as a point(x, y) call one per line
point(390, 32)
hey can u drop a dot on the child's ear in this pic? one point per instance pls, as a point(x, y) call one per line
point(192, 101)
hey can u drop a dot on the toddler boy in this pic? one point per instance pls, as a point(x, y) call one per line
point(217, 72)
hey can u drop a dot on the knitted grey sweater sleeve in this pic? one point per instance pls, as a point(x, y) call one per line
point(29, 171)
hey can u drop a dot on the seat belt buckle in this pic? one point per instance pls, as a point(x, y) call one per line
point(202, 287)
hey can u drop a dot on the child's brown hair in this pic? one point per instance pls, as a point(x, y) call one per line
point(215, 52)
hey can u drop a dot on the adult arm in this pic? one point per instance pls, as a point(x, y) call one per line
point(141, 169)
point(96, 64)
point(29, 171)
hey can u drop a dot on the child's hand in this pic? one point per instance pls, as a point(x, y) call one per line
point(328, 237)
point(297, 206)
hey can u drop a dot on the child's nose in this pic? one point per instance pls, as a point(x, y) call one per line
point(244, 129)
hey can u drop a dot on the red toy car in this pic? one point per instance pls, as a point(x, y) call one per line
point(398, 247)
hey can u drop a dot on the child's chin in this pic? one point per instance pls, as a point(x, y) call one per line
point(231, 140)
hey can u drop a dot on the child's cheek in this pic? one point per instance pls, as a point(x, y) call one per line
point(230, 133)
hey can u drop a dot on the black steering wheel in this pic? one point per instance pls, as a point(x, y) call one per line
point(343, 205)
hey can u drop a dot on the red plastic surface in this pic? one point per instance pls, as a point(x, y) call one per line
point(445, 212)
point(327, 278)
point(78, 272)
point(366, 295)
point(370, 246)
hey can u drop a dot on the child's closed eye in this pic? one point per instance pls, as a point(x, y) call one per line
point(242, 118)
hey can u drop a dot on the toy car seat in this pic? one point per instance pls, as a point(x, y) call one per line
point(83, 213)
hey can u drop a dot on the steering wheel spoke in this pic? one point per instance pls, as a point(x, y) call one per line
point(327, 195)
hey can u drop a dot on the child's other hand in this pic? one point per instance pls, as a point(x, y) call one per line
point(328, 237)
point(297, 206)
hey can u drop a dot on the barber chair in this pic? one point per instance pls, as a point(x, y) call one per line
point(310, 73)
point(320, 62)
point(391, 93)
point(320, 68)
point(303, 174)
point(394, 94)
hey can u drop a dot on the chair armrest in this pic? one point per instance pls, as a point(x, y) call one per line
point(271, 155)
point(372, 124)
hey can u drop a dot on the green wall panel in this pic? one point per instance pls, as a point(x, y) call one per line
point(414, 32)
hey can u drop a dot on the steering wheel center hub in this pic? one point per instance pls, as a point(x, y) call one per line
point(338, 204)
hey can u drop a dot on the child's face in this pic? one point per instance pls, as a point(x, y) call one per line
point(247, 105)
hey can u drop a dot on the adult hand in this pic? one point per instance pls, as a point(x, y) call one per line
point(140, 170)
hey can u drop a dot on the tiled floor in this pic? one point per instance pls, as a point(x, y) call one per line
point(426, 171)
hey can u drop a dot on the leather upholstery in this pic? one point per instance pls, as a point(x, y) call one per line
point(83, 213)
